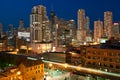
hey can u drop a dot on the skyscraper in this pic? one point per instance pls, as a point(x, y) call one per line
point(108, 24)
point(52, 24)
point(38, 23)
point(10, 32)
point(116, 29)
point(72, 26)
point(81, 31)
point(21, 25)
point(11, 37)
point(87, 22)
point(98, 30)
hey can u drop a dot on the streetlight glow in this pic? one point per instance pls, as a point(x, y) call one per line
point(18, 73)
point(50, 65)
point(65, 65)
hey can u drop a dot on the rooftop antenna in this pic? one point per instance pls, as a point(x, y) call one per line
point(51, 7)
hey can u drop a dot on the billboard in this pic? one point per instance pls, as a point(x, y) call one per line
point(24, 35)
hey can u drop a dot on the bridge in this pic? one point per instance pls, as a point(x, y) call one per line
point(85, 71)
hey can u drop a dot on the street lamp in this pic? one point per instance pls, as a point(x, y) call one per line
point(65, 65)
point(18, 73)
point(50, 65)
point(17, 50)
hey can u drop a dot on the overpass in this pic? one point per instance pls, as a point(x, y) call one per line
point(84, 71)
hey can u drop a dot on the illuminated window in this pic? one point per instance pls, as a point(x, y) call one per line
point(99, 64)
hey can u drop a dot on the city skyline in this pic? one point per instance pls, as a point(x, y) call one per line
point(59, 40)
point(13, 11)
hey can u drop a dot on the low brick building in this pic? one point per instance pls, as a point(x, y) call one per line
point(104, 59)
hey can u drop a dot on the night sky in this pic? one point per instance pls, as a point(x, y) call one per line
point(11, 11)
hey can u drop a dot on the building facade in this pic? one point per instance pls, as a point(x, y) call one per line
point(32, 70)
point(87, 23)
point(98, 30)
point(116, 30)
point(54, 28)
point(11, 73)
point(104, 59)
point(3, 43)
point(108, 24)
point(81, 31)
point(39, 24)
point(72, 28)
point(20, 67)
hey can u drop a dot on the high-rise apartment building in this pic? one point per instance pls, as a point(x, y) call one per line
point(52, 24)
point(10, 32)
point(108, 24)
point(52, 17)
point(98, 30)
point(39, 24)
point(81, 19)
point(116, 29)
point(87, 23)
point(81, 31)
point(72, 28)
point(65, 31)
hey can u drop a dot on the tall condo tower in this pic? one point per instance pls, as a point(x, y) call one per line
point(38, 24)
point(107, 24)
point(87, 22)
point(98, 30)
point(52, 24)
point(81, 31)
